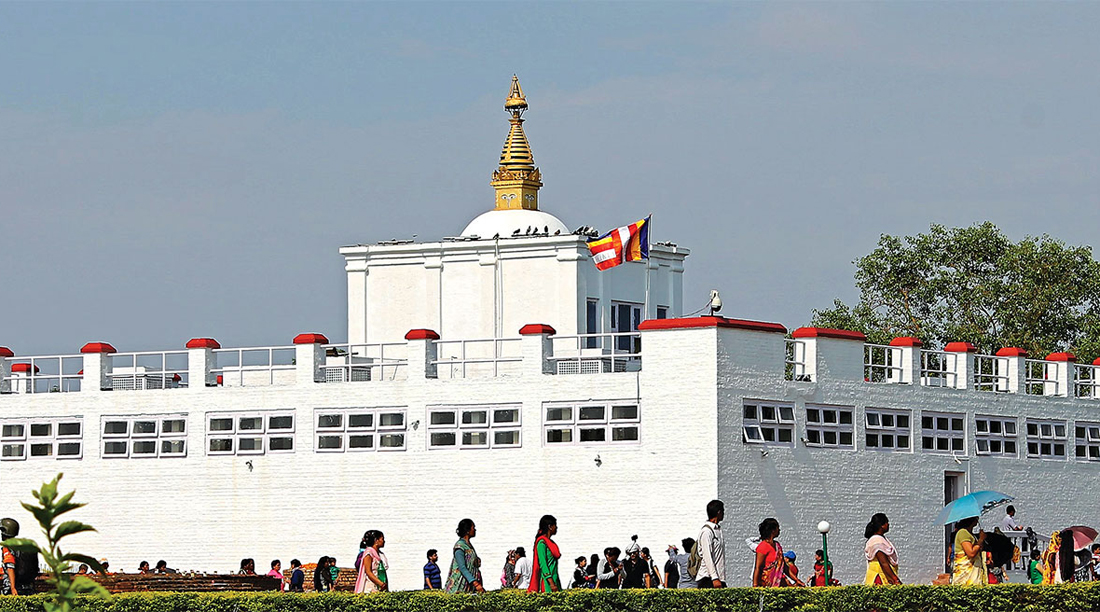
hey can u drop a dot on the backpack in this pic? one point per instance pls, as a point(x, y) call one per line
point(695, 560)
point(26, 570)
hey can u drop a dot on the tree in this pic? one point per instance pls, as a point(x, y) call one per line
point(974, 284)
point(66, 587)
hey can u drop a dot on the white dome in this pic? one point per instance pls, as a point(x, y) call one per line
point(506, 222)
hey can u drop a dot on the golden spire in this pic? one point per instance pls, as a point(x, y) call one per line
point(517, 180)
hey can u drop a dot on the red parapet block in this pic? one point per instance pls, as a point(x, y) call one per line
point(960, 347)
point(1012, 351)
point(536, 329)
point(1061, 357)
point(97, 347)
point(6, 352)
point(310, 339)
point(700, 322)
point(422, 334)
point(907, 341)
point(197, 343)
point(828, 332)
point(23, 368)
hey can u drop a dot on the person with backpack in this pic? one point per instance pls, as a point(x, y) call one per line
point(682, 560)
point(708, 556)
point(24, 563)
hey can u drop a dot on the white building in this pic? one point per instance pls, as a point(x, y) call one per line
point(466, 391)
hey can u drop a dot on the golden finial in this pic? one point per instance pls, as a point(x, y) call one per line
point(516, 179)
point(516, 102)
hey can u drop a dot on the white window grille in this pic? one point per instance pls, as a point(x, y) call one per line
point(1046, 438)
point(591, 423)
point(881, 363)
point(625, 318)
point(1086, 381)
point(937, 369)
point(795, 368)
point(995, 436)
point(769, 423)
point(888, 430)
point(57, 438)
point(830, 426)
point(250, 433)
point(1087, 438)
point(943, 432)
point(144, 436)
point(357, 430)
point(492, 426)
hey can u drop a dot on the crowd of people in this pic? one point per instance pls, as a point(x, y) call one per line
point(700, 564)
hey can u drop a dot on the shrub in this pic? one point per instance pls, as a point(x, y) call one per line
point(1000, 598)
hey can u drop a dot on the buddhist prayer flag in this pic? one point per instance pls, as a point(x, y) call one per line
point(627, 243)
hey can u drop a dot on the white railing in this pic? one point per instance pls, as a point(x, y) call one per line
point(148, 370)
point(366, 362)
point(795, 361)
point(937, 368)
point(44, 374)
point(881, 363)
point(255, 366)
point(597, 353)
point(1039, 377)
point(475, 358)
point(990, 373)
point(1086, 382)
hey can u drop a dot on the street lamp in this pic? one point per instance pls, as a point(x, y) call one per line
point(823, 527)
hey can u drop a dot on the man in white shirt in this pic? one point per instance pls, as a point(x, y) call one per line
point(712, 549)
point(1008, 523)
point(523, 569)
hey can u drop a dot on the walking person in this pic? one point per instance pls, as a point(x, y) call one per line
point(654, 575)
point(768, 570)
point(791, 569)
point(465, 573)
point(297, 577)
point(610, 573)
point(544, 568)
point(635, 569)
point(580, 575)
point(372, 568)
point(322, 580)
point(593, 568)
point(682, 560)
point(432, 576)
point(712, 549)
point(523, 569)
point(969, 555)
point(277, 572)
point(508, 577)
point(672, 570)
point(882, 557)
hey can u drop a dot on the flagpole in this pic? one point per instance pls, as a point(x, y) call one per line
point(650, 223)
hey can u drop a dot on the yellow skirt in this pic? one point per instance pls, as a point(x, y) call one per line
point(968, 572)
point(875, 575)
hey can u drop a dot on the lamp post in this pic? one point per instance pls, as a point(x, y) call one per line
point(823, 527)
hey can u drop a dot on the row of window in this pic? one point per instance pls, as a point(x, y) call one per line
point(892, 430)
point(336, 431)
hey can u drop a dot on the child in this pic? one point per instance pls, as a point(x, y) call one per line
point(333, 572)
point(1034, 570)
point(297, 576)
point(580, 575)
point(819, 578)
point(792, 569)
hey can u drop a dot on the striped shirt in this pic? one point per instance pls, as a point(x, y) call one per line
point(431, 575)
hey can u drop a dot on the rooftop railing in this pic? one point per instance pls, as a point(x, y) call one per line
point(597, 353)
point(1039, 378)
point(365, 362)
point(148, 370)
point(476, 358)
point(795, 360)
point(255, 366)
point(44, 374)
point(881, 363)
point(938, 368)
point(990, 373)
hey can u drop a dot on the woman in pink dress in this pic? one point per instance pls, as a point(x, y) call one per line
point(373, 567)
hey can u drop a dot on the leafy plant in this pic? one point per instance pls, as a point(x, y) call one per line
point(66, 587)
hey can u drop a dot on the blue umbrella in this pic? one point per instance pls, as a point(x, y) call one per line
point(969, 506)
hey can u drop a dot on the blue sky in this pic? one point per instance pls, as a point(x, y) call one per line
point(170, 170)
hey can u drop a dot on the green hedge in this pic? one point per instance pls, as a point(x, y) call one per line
point(1001, 598)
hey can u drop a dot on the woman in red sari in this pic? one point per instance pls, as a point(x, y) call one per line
point(544, 567)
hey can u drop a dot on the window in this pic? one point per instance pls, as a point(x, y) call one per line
point(830, 426)
point(249, 433)
point(1087, 436)
point(592, 322)
point(625, 318)
point(474, 427)
point(144, 436)
point(359, 430)
point(662, 312)
point(943, 432)
point(888, 430)
point(768, 423)
point(995, 436)
point(591, 423)
point(61, 438)
point(1046, 438)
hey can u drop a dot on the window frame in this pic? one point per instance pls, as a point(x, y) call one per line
point(607, 424)
point(158, 436)
point(988, 436)
point(950, 434)
point(1089, 442)
point(346, 431)
point(266, 434)
point(1053, 439)
point(822, 426)
point(461, 431)
point(881, 430)
point(777, 423)
point(25, 439)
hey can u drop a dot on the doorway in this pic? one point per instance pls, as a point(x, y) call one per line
point(953, 485)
